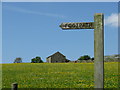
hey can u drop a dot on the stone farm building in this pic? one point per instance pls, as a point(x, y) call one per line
point(56, 58)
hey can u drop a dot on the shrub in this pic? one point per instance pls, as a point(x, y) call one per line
point(92, 58)
point(18, 60)
point(85, 57)
point(67, 60)
point(36, 60)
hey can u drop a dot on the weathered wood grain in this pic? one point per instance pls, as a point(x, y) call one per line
point(99, 50)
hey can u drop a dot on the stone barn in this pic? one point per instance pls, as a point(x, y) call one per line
point(56, 58)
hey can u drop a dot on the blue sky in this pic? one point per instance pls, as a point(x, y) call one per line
point(32, 29)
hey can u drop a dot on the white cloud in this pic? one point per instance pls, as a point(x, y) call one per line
point(112, 20)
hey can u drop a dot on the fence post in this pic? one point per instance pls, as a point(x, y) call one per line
point(14, 86)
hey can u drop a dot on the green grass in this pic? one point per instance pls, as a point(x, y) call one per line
point(56, 75)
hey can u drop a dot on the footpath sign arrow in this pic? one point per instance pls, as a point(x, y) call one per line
point(82, 25)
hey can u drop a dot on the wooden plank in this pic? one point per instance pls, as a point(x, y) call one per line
point(99, 50)
point(78, 25)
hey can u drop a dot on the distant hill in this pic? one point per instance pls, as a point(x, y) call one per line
point(112, 58)
point(107, 58)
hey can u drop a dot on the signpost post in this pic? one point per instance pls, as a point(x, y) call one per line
point(98, 26)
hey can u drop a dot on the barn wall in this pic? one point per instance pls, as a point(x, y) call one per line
point(48, 60)
point(58, 58)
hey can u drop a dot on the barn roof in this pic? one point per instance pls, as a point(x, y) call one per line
point(56, 53)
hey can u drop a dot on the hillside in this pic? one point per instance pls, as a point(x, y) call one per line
point(107, 58)
point(112, 58)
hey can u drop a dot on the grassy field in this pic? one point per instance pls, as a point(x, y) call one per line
point(57, 75)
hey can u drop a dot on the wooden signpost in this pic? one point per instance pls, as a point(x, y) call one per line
point(98, 26)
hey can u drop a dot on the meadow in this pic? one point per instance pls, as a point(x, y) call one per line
point(57, 75)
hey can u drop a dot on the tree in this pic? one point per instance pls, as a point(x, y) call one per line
point(85, 57)
point(92, 58)
point(18, 60)
point(67, 60)
point(36, 60)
